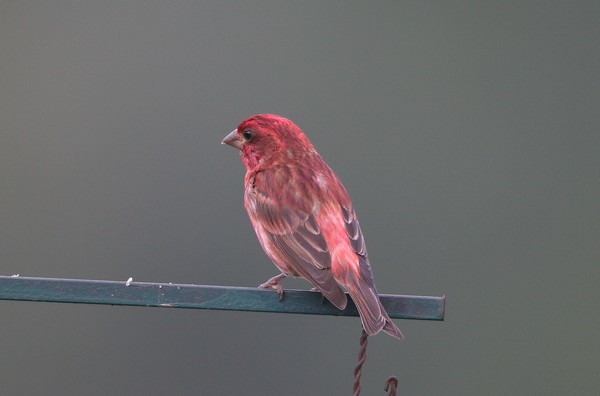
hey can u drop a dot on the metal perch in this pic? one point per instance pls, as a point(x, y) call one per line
point(148, 294)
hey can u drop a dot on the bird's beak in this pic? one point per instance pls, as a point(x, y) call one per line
point(233, 139)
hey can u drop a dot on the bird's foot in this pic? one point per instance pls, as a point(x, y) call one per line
point(273, 283)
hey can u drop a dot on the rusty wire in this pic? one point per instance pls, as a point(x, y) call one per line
point(362, 356)
point(391, 384)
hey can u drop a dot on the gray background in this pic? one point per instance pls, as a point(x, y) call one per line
point(466, 132)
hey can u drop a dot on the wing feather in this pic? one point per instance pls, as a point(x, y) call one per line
point(292, 238)
point(364, 294)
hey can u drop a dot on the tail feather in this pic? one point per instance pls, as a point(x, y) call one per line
point(390, 327)
point(373, 316)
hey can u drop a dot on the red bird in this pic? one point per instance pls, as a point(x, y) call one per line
point(303, 217)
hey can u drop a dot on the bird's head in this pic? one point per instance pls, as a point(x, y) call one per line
point(268, 139)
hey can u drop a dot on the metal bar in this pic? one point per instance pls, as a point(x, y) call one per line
point(147, 294)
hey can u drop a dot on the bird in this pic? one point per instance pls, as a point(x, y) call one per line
point(304, 219)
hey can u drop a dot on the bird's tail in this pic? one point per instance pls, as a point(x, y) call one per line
point(390, 327)
point(373, 316)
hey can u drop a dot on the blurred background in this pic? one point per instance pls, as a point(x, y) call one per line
point(467, 134)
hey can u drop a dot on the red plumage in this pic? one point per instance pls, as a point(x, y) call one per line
point(303, 217)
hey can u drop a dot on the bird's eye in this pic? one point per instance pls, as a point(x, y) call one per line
point(247, 134)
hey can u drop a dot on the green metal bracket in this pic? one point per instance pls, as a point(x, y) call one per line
point(147, 294)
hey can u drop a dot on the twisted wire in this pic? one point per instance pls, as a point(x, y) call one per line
point(362, 356)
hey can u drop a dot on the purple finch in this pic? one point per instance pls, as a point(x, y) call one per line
point(303, 217)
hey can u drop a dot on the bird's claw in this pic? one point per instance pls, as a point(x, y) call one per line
point(273, 283)
point(279, 289)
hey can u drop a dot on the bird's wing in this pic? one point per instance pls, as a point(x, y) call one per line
point(290, 234)
point(357, 241)
point(362, 289)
